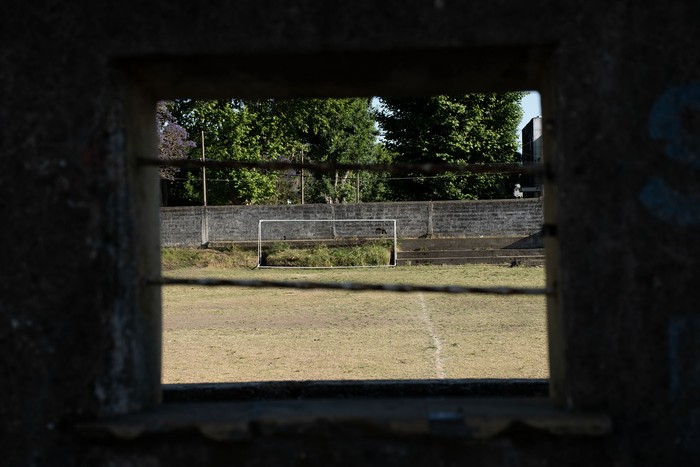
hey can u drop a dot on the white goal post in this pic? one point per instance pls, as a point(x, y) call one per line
point(310, 232)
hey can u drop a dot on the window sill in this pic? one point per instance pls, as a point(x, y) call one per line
point(352, 389)
point(469, 418)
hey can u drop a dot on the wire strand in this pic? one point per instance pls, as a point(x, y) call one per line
point(394, 168)
point(354, 286)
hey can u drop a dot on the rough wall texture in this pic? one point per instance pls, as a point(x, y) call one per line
point(182, 226)
point(620, 84)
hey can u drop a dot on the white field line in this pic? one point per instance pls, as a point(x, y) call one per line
point(425, 317)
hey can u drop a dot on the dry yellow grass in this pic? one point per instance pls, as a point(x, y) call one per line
point(244, 334)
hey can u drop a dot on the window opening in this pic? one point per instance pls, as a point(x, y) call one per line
point(422, 294)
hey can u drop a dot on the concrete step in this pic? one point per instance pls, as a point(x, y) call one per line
point(506, 260)
point(471, 243)
point(470, 253)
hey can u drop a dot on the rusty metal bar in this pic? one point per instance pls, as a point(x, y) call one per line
point(394, 168)
point(353, 286)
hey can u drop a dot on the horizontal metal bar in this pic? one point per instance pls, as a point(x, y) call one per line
point(354, 286)
point(397, 168)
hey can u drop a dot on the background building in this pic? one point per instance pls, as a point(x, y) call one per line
point(531, 185)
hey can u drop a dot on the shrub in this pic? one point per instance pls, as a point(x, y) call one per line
point(371, 254)
point(232, 257)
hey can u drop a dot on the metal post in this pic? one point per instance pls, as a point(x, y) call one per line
point(204, 174)
point(205, 214)
point(302, 178)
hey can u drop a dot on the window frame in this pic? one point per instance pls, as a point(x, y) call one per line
point(290, 75)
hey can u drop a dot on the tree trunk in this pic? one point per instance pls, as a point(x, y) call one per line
point(163, 192)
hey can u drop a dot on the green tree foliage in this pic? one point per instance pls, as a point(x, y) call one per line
point(174, 144)
point(323, 130)
point(468, 128)
point(332, 130)
point(232, 131)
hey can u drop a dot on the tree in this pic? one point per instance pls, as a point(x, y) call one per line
point(173, 144)
point(374, 186)
point(231, 132)
point(468, 128)
point(331, 130)
point(323, 130)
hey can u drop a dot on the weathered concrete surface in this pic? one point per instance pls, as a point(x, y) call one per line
point(620, 84)
point(182, 226)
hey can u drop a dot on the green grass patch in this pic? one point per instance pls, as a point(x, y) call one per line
point(370, 254)
point(178, 258)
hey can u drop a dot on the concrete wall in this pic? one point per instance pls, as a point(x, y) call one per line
point(182, 226)
point(80, 325)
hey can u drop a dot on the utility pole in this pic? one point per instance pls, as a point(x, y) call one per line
point(357, 187)
point(302, 177)
point(205, 215)
point(204, 174)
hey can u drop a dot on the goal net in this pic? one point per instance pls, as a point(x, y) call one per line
point(326, 243)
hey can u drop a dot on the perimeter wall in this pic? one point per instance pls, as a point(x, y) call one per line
point(195, 225)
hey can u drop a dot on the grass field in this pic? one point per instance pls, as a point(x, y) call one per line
point(245, 334)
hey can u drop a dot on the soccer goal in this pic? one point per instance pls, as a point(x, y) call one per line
point(326, 243)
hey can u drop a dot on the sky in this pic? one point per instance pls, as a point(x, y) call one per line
point(531, 105)
point(531, 108)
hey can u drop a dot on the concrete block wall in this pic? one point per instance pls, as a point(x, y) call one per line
point(486, 218)
point(240, 223)
point(182, 226)
point(80, 325)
